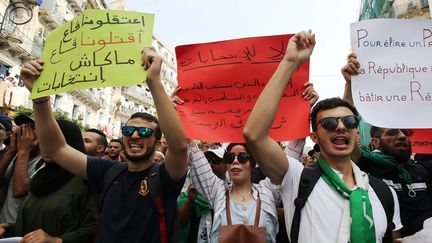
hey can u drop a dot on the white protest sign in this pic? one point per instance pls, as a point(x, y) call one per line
point(394, 87)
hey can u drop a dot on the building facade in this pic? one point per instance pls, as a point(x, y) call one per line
point(408, 9)
point(106, 109)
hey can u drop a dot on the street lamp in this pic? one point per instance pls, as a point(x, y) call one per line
point(18, 12)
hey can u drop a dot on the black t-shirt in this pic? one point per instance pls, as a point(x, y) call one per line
point(414, 209)
point(127, 215)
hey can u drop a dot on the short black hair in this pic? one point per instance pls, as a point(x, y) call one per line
point(117, 141)
point(150, 118)
point(328, 104)
point(102, 137)
point(375, 132)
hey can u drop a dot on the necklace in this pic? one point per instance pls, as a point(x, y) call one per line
point(243, 200)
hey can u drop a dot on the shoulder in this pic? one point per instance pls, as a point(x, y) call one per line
point(102, 163)
point(427, 165)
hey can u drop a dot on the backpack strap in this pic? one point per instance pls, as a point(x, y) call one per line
point(154, 185)
point(309, 177)
point(385, 196)
point(110, 176)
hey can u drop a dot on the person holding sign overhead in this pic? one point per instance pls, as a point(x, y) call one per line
point(391, 161)
point(339, 202)
point(138, 197)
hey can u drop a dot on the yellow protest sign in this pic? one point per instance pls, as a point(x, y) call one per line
point(99, 48)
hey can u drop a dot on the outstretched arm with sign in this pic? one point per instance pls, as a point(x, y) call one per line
point(269, 155)
point(51, 140)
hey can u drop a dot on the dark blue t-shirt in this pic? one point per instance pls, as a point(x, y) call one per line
point(414, 209)
point(128, 214)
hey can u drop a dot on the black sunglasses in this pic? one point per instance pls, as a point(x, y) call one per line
point(331, 123)
point(143, 132)
point(242, 157)
point(394, 132)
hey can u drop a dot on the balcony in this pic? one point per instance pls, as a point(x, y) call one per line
point(123, 113)
point(138, 95)
point(412, 9)
point(21, 45)
point(87, 97)
point(49, 14)
point(394, 9)
point(77, 5)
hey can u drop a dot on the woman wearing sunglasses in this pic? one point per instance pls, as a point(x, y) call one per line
point(249, 204)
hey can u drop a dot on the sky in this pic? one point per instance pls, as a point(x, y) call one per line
point(179, 22)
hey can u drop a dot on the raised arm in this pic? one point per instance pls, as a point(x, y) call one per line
point(203, 178)
point(351, 68)
point(269, 155)
point(26, 143)
point(51, 140)
point(175, 161)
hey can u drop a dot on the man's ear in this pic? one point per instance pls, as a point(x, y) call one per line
point(100, 149)
point(375, 143)
point(158, 143)
point(314, 137)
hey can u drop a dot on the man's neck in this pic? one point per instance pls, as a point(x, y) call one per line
point(342, 165)
point(140, 166)
point(116, 158)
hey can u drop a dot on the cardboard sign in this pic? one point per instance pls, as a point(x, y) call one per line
point(394, 87)
point(221, 82)
point(95, 49)
point(421, 141)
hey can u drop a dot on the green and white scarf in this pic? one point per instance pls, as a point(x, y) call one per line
point(389, 162)
point(362, 227)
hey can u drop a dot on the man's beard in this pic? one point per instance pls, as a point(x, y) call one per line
point(400, 156)
point(141, 158)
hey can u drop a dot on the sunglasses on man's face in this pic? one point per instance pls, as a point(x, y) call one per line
point(331, 123)
point(242, 157)
point(143, 132)
point(394, 132)
point(214, 160)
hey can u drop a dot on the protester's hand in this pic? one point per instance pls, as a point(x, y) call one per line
point(30, 71)
point(351, 68)
point(192, 193)
point(175, 100)
point(300, 47)
point(152, 63)
point(310, 94)
point(13, 141)
point(3, 228)
point(26, 139)
point(40, 236)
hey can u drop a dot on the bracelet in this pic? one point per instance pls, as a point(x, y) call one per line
point(41, 100)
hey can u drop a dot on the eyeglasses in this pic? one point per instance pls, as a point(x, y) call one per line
point(242, 157)
point(394, 132)
point(143, 132)
point(331, 123)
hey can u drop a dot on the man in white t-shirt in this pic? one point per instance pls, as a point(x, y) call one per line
point(342, 206)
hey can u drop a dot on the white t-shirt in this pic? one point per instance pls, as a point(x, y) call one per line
point(322, 214)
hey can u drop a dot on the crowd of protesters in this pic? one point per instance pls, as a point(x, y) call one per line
point(58, 184)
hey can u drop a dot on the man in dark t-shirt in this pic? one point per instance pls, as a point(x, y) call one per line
point(127, 211)
point(136, 220)
point(411, 180)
